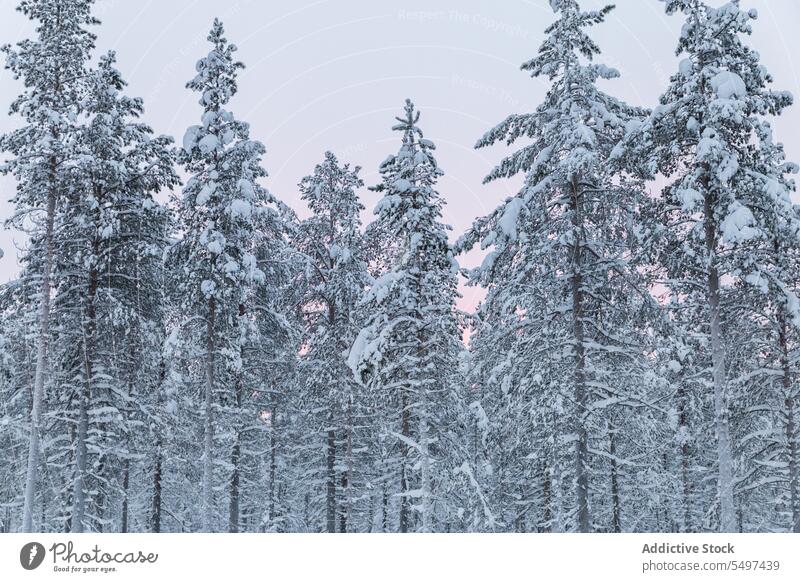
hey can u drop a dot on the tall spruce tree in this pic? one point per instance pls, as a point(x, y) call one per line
point(562, 279)
point(707, 137)
point(112, 237)
point(52, 65)
point(221, 209)
point(336, 277)
point(408, 352)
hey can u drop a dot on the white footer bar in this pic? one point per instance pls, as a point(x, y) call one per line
point(406, 558)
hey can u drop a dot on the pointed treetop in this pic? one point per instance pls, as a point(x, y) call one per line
point(78, 12)
point(577, 123)
point(706, 26)
point(415, 152)
point(566, 41)
point(216, 72)
point(107, 70)
point(408, 124)
point(690, 6)
point(62, 44)
point(217, 32)
point(673, 6)
point(331, 184)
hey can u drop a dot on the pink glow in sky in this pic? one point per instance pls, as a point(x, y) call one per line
point(332, 74)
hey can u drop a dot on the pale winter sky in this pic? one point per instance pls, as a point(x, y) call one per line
point(332, 74)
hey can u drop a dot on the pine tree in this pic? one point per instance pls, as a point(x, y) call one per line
point(765, 308)
point(407, 354)
point(221, 208)
point(561, 275)
point(52, 66)
point(701, 136)
point(335, 280)
point(18, 325)
point(112, 238)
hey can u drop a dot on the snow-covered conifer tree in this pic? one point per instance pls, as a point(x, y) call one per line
point(705, 136)
point(408, 352)
point(221, 208)
point(765, 323)
point(52, 66)
point(561, 279)
point(111, 237)
point(336, 277)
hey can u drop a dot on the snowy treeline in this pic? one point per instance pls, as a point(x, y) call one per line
point(215, 363)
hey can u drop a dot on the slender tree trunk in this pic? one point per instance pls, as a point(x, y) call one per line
point(41, 361)
point(155, 507)
point(79, 484)
point(44, 332)
point(208, 456)
point(126, 479)
point(330, 455)
point(126, 472)
point(273, 465)
point(343, 507)
point(548, 501)
point(405, 419)
point(616, 521)
point(65, 505)
point(672, 511)
point(582, 444)
point(233, 510)
point(349, 474)
point(43, 509)
point(727, 514)
point(794, 486)
point(426, 470)
point(683, 425)
point(791, 429)
point(371, 514)
point(330, 489)
point(90, 327)
point(126, 467)
point(101, 494)
point(557, 485)
point(385, 508)
point(306, 514)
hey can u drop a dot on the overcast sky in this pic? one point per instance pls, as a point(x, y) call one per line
point(332, 74)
